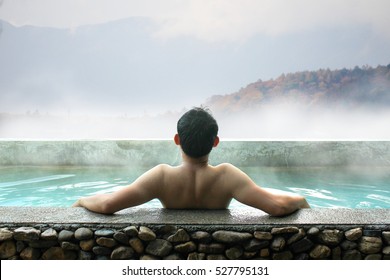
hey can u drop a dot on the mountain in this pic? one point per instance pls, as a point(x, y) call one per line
point(364, 87)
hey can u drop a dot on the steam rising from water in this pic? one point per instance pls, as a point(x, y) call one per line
point(280, 122)
point(299, 122)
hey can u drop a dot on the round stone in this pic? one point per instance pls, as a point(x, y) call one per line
point(231, 236)
point(5, 234)
point(49, 234)
point(159, 248)
point(234, 253)
point(373, 257)
point(146, 234)
point(85, 255)
point(87, 245)
point(30, 254)
point(282, 230)
point(104, 232)
point(320, 252)
point(353, 234)
point(370, 245)
point(278, 244)
point(26, 234)
point(131, 231)
point(331, 236)
point(262, 235)
point(201, 236)
point(386, 250)
point(106, 242)
point(264, 253)
point(180, 236)
point(137, 245)
point(83, 234)
point(313, 231)
point(122, 253)
point(7, 249)
point(298, 236)
point(196, 256)
point(66, 245)
point(121, 237)
point(301, 246)
point(65, 235)
point(186, 248)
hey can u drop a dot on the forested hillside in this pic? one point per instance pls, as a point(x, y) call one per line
point(348, 88)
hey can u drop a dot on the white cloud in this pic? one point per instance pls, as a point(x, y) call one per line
point(210, 20)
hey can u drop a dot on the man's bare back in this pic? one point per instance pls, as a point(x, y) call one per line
point(194, 185)
point(198, 186)
point(202, 186)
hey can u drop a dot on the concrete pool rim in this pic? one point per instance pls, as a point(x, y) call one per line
point(231, 218)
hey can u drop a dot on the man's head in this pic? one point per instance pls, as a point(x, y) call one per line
point(197, 132)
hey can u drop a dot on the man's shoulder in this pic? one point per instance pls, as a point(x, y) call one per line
point(227, 168)
point(166, 169)
point(163, 167)
point(226, 165)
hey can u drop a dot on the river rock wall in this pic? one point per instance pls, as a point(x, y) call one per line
point(169, 242)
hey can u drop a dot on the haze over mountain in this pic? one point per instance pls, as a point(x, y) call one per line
point(124, 67)
point(323, 104)
point(128, 69)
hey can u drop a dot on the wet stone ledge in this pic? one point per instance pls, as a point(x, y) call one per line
point(189, 235)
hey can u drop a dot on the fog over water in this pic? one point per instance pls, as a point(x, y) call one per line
point(300, 123)
point(94, 70)
point(282, 122)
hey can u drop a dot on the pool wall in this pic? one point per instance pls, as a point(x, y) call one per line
point(141, 233)
point(152, 152)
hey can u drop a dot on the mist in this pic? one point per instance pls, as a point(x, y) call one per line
point(271, 122)
point(299, 122)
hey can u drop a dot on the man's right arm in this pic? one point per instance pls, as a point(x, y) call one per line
point(142, 190)
point(247, 192)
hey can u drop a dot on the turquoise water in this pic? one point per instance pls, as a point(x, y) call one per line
point(323, 187)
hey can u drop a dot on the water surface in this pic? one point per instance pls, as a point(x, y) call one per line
point(325, 187)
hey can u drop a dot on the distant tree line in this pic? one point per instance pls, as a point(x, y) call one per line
point(359, 86)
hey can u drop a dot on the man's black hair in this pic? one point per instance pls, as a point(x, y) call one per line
point(197, 131)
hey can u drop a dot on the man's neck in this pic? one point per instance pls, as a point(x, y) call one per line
point(198, 162)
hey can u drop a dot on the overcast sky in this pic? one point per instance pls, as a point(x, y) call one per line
point(210, 20)
point(238, 41)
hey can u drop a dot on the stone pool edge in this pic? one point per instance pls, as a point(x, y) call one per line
point(150, 233)
point(155, 216)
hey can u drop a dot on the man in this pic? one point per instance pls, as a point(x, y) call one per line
point(195, 184)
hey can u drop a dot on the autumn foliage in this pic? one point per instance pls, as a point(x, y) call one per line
point(349, 88)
